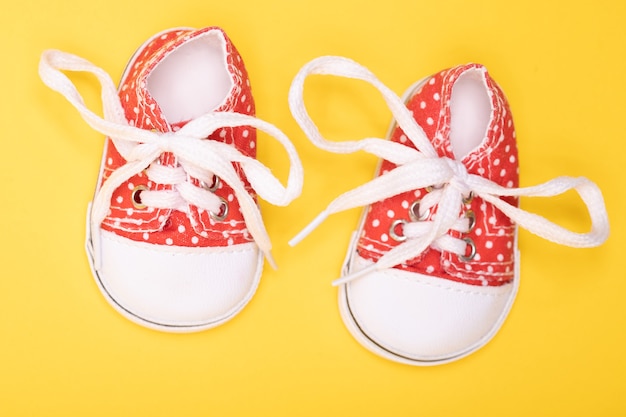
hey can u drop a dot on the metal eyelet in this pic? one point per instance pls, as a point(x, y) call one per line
point(468, 198)
point(414, 212)
point(223, 211)
point(136, 197)
point(392, 230)
point(215, 184)
point(471, 216)
point(431, 188)
point(472, 246)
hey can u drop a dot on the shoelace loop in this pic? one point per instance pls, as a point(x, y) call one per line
point(460, 176)
point(422, 168)
point(199, 158)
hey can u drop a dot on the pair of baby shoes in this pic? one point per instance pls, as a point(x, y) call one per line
point(176, 240)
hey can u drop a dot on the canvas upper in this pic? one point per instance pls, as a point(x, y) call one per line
point(494, 156)
point(196, 228)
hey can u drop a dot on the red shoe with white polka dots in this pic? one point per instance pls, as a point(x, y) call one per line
point(433, 269)
point(175, 236)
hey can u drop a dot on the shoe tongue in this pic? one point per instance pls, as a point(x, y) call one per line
point(434, 111)
point(471, 111)
point(141, 107)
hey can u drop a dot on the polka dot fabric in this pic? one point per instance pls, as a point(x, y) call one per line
point(495, 159)
point(166, 226)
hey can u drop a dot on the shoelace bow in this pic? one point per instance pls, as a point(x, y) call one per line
point(196, 157)
point(423, 168)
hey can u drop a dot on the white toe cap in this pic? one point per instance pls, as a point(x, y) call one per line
point(174, 288)
point(419, 319)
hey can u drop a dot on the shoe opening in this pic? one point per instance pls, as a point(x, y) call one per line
point(470, 112)
point(193, 79)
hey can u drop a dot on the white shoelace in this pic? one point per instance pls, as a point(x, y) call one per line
point(197, 158)
point(424, 168)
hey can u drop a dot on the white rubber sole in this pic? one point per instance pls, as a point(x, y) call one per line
point(189, 327)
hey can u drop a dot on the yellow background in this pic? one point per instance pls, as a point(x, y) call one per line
point(65, 352)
